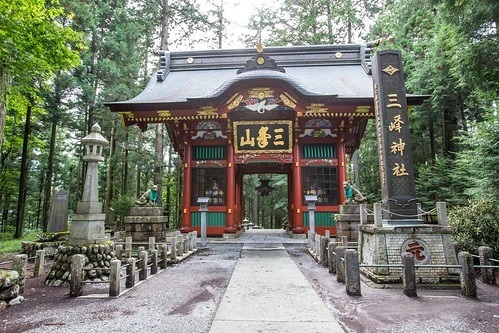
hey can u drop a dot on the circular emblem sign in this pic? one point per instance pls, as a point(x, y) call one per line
point(419, 249)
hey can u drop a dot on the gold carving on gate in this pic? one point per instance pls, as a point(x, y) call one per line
point(261, 93)
point(164, 114)
point(316, 108)
point(127, 115)
point(235, 101)
point(288, 100)
point(363, 109)
point(390, 70)
point(207, 111)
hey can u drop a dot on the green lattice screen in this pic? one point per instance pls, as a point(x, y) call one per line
point(209, 153)
point(317, 151)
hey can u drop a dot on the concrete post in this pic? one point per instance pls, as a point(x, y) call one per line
point(311, 240)
point(164, 256)
point(468, 283)
point(352, 273)
point(130, 272)
point(76, 281)
point(331, 256)
point(378, 215)
point(191, 245)
point(317, 246)
point(118, 248)
point(363, 213)
point(128, 247)
point(114, 278)
point(154, 261)
point(19, 264)
point(323, 251)
point(152, 243)
point(409, 274)
point(442, 213)
point(174, 248)
point(39, 262)
point(142, 265)
point(488, 274)
point(340, 264)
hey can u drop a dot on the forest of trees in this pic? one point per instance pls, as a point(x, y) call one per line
point(61, 60)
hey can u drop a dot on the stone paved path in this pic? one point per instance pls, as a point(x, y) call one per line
point(268, 293)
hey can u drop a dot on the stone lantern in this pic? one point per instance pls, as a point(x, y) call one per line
point(88, 223)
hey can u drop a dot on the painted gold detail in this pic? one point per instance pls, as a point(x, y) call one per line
point(259, 47)
point(260, 60)
point(229, 211)
point(235, 101)
point(207, 111)
point(298, 211)
point(288, 101)
point(390, 70)
point(363, 109)
point(338, 55)
point(316, 108)
point(261, 93)
point(164, 113)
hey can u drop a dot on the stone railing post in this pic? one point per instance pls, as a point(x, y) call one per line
point(152, 243)
point(118, 248)
point(468, 283)
point(352, 273)
point(331, 262)
point(344, 241)
point(128, 247)
point(143, 265)
point(164, 256)
point(378, 215)
point(130, 272)
point(114, 278)
point(323, 252)
point(340, 265)
point(19, 264)
point(488, 274)
point(173, 248)
point(195, 239)
point(442, 213)
point(76, 281)
point(39, 262)
point(180, 246)
point(409, 274)
point(363, 213)
point(154, 261)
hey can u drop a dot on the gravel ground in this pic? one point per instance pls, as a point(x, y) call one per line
point(185, 297)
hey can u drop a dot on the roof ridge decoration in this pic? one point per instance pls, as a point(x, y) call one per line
point(260, 61)
point(164, 65)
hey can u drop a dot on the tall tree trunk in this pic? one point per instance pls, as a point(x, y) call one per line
point(24, 174)
point(49, 178)
point(5, 81)
point(110, 176)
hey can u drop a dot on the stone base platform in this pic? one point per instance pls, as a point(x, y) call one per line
point(145, 222)
point(349, 221)
point(430, 244)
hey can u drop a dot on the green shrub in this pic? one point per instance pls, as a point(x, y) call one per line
point(477, 224)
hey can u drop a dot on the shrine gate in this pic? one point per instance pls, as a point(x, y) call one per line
point(294, 110)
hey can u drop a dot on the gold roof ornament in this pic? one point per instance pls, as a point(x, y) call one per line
point(259, 47)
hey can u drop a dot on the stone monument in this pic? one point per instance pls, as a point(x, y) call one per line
point(87, 235)
point(58, 219)
point(398, 227)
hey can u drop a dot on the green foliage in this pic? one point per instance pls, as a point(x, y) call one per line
point(122, 207)
point(9, 244)
point(476, 224)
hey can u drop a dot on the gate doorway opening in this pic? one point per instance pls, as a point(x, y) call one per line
point(265, 200)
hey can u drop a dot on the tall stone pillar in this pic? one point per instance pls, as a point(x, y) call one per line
point(87, 225)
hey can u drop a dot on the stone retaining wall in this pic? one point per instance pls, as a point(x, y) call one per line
point(96, 256)
point(30, 248)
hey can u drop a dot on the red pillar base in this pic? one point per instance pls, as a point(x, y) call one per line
point(185, 230)
point(230, 230)
point(298, 230)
